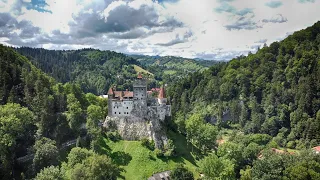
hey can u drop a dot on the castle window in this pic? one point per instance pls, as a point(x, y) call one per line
point(119, 112)
point(115, 112)
point(127, 107)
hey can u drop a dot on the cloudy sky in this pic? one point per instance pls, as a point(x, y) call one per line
point(208, 29)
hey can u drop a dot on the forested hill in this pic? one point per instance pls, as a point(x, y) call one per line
point(97, 70)
point(275, 91)
point(94, 70)
point(174, 62)
point(171, 68)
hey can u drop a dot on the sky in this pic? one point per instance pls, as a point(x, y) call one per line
point(205, 29)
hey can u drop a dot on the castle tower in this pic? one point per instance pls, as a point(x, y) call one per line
point(140, 88)
point(162, 96)
point(110, 97)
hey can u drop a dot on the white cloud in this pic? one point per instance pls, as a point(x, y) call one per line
point(203, 28)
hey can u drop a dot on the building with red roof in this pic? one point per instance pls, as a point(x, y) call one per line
point(316, 149)
point(122, 103)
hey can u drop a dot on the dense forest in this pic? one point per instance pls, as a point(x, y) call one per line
point(37, 115)
point(94, 70)
point(275, 93)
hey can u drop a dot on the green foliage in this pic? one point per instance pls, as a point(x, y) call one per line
point(264, 92)
point(202, 135)
point(158, 152)
point(246, 174)
point(16, 124)
point(113, 135)
point(46, 154)
point(77, 155)
point(52, 108)
point(251, 152)
point(82, 164)
point(49, 173)
point(94, 70)
point(14, 121)
point(148, 143)
point(216, 168)
point(74, 113)
point(283, 166)
point(169, 148)
point(231, 151)
point(95, 167)
point(181, 173)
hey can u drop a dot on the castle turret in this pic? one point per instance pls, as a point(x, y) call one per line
point(140, 88)
point(110, 97)
point(162, 96)
point(110, 92)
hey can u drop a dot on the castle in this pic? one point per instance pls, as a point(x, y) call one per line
point(137, 114)
point(126, 103)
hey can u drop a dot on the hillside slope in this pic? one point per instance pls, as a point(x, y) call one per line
point(170, 69)
point(275, 91)
point(94, 70)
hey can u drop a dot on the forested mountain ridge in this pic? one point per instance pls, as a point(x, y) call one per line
point(97, 70)
point(170, 68)
point(174, 62)
point(275, 91)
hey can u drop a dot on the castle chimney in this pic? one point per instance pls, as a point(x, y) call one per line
point(139, 75)
point(162, 93)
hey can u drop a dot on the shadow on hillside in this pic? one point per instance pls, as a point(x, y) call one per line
point(184, 149)
point(121, 158)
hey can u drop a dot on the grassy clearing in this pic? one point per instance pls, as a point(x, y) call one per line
point(139, 162)
point(140, 69)
point(170, 72)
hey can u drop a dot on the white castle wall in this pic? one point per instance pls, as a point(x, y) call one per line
point(121, 108)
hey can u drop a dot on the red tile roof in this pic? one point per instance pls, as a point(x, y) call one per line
point(120, 94)
point(155, 89)
point(317, 148)
point(128, 94)
point(110, 91)
point(162, 93)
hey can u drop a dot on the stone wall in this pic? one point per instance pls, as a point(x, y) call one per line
point(130, 128)
point(144, 122)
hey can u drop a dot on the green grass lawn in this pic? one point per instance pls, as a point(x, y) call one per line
point(140, 69)
point(140, 163)
point(170, 72)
